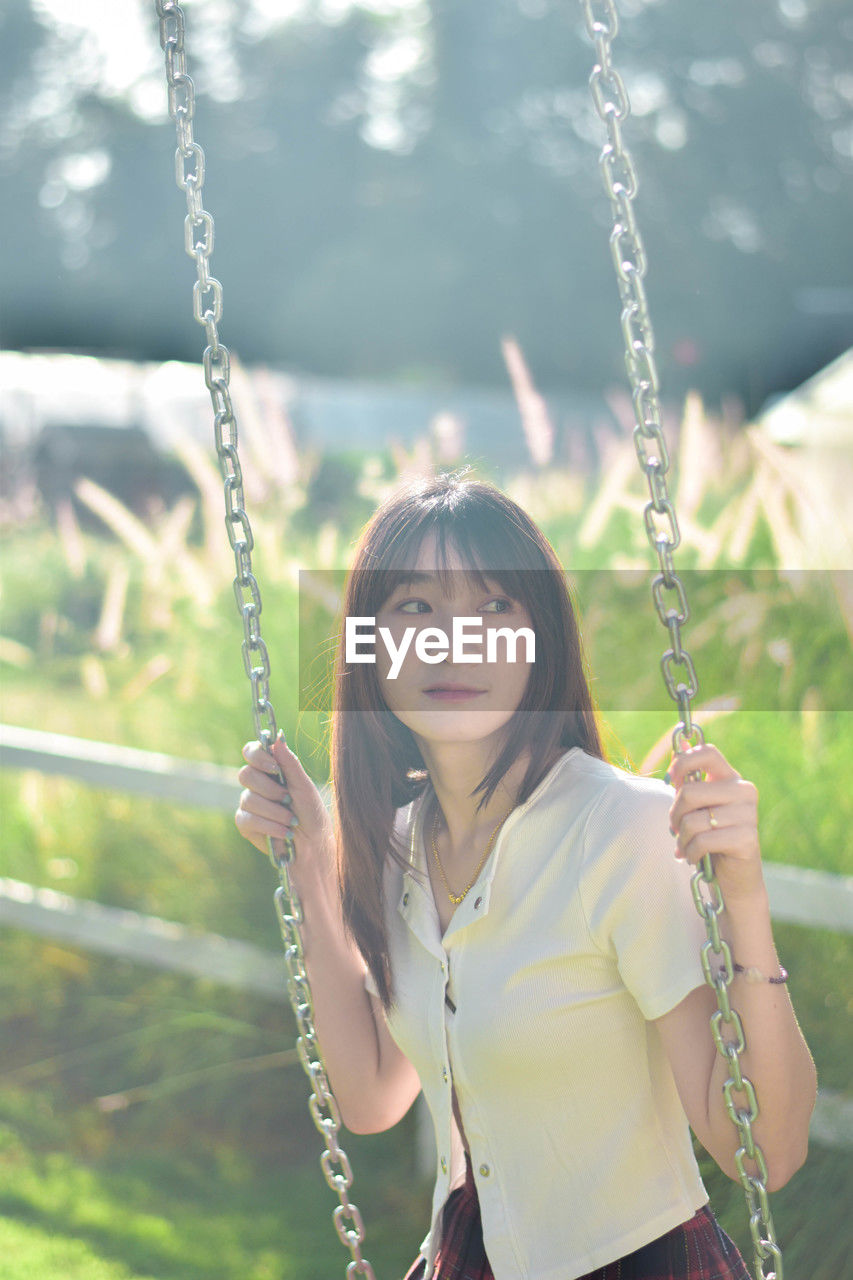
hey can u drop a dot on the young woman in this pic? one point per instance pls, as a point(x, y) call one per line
point(503, 919)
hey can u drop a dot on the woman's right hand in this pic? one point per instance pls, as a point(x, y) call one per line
point(297, 810)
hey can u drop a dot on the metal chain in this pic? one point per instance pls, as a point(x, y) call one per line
point(629, 259)
point(207, 309)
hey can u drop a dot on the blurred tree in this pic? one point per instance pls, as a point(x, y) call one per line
point(397, 183)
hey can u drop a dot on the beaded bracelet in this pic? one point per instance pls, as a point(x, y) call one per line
point(755, 975)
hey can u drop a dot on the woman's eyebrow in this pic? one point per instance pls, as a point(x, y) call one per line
point(415, 577)
point(418, 577)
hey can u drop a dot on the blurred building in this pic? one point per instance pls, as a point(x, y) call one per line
point(118, 422)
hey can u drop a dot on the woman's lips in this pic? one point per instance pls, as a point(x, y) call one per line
point(449, 694)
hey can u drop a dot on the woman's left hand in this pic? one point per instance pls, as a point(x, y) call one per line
point(717, 815)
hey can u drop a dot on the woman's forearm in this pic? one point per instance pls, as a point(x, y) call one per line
point(374, 1085)
point(775, 1059)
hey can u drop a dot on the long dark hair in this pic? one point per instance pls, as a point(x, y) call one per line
point(376, 764)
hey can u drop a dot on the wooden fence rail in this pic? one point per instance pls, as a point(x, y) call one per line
point(798, 895)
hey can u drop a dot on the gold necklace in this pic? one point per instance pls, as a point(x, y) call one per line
point(456, 898)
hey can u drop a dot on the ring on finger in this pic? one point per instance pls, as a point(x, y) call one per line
point(712, 819)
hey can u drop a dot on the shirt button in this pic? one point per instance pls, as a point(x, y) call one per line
point(443, 1165)
point(444, 1074)
point(478, 903)
point(405, 899)
point(485, 1170)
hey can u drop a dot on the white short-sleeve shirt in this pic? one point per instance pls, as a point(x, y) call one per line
point(580, 928)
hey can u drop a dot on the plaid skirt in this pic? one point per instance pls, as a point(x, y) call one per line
point(697, 1250)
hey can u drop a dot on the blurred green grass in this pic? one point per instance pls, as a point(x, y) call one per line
point(200, 1211)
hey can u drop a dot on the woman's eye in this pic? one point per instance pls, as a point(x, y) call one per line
point(500, 604)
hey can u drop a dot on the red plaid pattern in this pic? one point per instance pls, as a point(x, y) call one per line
point(696, 1250)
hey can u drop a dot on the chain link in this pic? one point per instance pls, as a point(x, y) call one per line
point(207, 310)
point(620, 182)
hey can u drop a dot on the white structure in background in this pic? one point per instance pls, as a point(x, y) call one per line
point(45, 390)
point(814, 428)
point(819, 414)
point(39, 390)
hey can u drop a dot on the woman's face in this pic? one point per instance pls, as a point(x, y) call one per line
point(449, 699)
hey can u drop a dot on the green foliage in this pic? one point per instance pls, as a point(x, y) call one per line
point(154, 1126)
point(203, 1212)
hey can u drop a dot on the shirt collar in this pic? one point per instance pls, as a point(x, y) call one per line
point(416, 903)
